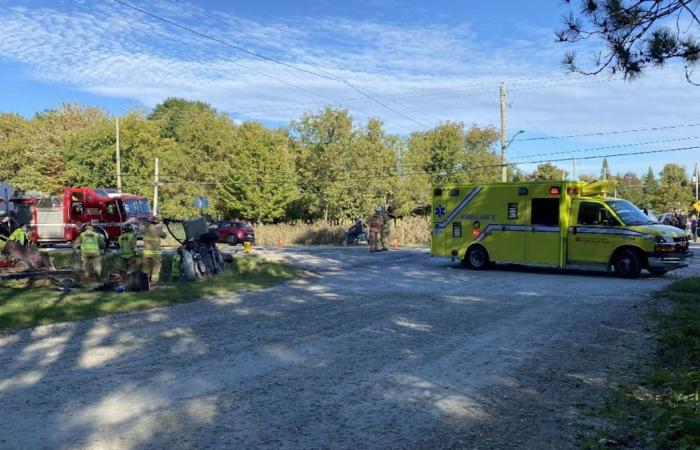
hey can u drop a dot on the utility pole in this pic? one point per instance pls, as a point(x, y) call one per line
point(573, 168)
point(119, 162)
point(504, 168)
point(155, 191)
point(696, 183)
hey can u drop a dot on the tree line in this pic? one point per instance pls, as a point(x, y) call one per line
point(324, 165)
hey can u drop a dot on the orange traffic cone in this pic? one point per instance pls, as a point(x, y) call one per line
point(280, 245)
point(395, 244)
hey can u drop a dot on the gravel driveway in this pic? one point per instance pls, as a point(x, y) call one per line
point(392, 350)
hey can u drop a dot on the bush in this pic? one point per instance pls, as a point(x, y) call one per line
point(412, 231)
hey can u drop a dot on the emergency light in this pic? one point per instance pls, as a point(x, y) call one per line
point(554, 191)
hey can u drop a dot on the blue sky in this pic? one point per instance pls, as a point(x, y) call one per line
point(429, 61)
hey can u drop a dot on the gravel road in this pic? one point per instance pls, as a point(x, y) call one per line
point(392, 350)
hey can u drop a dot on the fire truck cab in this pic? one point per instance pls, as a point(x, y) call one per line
point(57, 218)
point(552, 224)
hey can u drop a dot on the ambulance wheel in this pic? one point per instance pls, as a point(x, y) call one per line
point(477, 258)
point(627, 264)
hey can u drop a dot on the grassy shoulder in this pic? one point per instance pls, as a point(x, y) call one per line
point(662, 409)
point(25, 306)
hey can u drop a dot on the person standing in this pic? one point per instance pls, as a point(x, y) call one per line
point(91, 246)
point(127, 248)
point(375, 225)
point(385, 230)
point(152, 235)
point(694, 227)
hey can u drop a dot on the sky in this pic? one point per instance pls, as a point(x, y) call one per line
point(410, 63)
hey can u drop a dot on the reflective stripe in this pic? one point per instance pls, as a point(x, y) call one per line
point(503, 227)
point(605, 230)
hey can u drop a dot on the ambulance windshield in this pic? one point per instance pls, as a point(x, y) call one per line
point(630, 214)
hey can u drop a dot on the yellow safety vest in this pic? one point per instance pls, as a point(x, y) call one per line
point(151, 241)
point(127, 243)
point(90, 243)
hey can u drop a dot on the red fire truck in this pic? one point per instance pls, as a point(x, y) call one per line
point(56, 219)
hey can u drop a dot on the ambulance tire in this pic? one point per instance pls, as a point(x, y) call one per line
point(477, 258)
point(627, 264)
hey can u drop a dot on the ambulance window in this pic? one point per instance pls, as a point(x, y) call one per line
point(590, 213)
point(545, 211)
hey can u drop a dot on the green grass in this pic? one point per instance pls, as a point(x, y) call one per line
point(25, 306)
point(662, 409)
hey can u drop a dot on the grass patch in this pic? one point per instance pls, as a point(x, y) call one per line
point(23, 306)
point(663, 409)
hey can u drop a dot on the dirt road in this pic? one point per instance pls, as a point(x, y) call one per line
point(393, 350)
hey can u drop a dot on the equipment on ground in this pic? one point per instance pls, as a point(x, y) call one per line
point(552, 224)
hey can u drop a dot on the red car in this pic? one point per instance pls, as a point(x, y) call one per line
point(233, 232)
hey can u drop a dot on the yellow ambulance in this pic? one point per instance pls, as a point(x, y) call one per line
point(552, 224)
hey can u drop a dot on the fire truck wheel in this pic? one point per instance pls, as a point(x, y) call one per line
point(627, 264)
point(477, 258)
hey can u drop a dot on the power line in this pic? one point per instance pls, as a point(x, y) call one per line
point(267, 58)
point(442, 173)
point(606, 133)
point(607, 147)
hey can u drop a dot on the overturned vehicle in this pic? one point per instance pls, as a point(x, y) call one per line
point(198, 255)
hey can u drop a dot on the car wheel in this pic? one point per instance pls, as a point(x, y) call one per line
point(658, 272)
point(477, 258)
point(231, 239)
point(627, 264)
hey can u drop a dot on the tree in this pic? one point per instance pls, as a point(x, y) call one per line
point(674, 192)
point(604, 170)
point(449, 154)
point(636, 34)
point(261, 180)
point(205, 145)
point(650, 190)
point(546, 172)
point(629, 187)
point(324, 142)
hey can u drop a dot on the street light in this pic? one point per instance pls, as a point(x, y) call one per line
point(513, 138)
point(504, 167)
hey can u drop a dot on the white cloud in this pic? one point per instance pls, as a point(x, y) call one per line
point(425, 71)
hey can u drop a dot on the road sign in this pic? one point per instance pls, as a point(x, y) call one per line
point(201, 202)
point(696, 205)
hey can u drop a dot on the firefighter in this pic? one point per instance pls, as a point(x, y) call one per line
point(375, 225)
point(384, 235)
point(19, 235)
point(152, 235)
point(91, 246)
point(127, 248)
